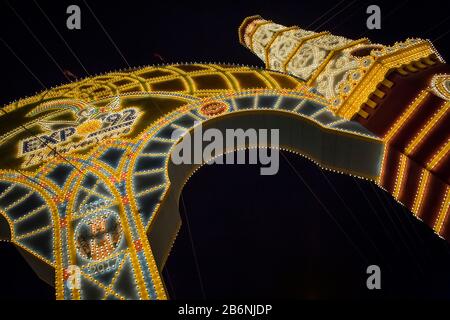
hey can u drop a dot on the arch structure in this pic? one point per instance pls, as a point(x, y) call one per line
point(88, 189)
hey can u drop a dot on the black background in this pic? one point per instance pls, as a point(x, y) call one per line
point(246, 235)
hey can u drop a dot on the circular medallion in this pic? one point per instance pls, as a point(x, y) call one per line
point(214, 108)
point(98, 236)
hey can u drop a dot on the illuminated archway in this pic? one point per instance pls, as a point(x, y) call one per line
point(99, 152)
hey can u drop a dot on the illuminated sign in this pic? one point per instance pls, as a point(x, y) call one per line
point(91, 126)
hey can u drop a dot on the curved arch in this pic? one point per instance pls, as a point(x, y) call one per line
point(159, 74)
point(34, 252)
point(329, 147)
point(146, 276)
point(145, 208)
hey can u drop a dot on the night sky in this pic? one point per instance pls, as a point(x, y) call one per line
point(243, 235)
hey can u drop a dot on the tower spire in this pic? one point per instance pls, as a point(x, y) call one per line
point(345, 71)
point(401, 93)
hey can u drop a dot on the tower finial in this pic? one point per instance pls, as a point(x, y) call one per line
point(344, 71)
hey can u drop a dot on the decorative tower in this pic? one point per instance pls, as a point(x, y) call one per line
point(400, 93)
